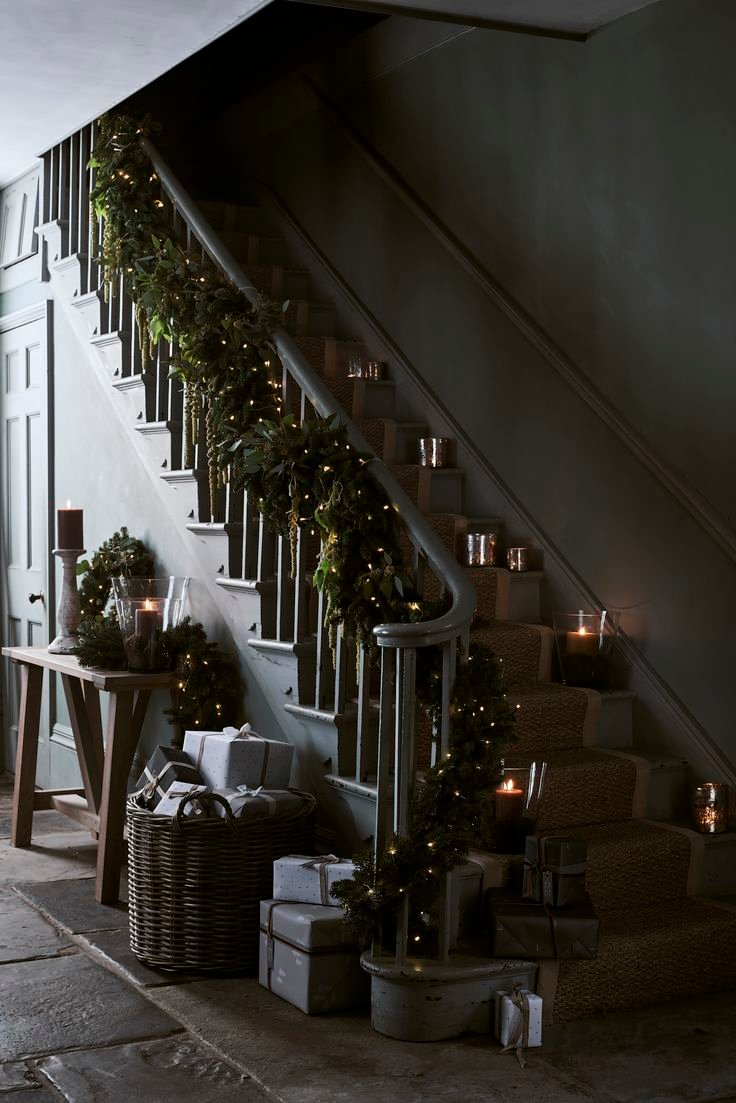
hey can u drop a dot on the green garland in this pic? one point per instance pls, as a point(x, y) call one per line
point(207, 688)
point(120, 556)
point(303, 476)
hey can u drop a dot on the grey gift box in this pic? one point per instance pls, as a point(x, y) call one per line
point(256, 804)
point(309, 880)
point(165, 766)
point(554, 869)
point(307, 957)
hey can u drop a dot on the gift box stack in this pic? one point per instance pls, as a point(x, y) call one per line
point(235, 771)
point(307, 953)
point(554, 917)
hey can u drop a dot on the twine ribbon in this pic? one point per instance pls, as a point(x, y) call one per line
point(321, 863)
point(154, 784)
point(520, 1039)
point(270, 945)
point(547, 871)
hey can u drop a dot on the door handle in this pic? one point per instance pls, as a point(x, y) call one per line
point(37, 597)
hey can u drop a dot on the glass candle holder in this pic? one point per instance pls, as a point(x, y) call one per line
point(434, 451)
point(146, 608)
point(479, 549)
point(373, 369)
point(354, 364)
point(517, 559)
point(584, 646)
point(516, 805)
point(710, 808)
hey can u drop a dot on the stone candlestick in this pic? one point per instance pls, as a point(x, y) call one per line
point(69, 610)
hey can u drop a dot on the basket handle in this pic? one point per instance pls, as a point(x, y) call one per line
point(206, 796)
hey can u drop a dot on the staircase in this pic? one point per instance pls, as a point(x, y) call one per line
point(647, 873)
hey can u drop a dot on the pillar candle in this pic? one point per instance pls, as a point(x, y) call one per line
point(509, 802)
point(583, 643)
point(148, 620)
point(69, 527)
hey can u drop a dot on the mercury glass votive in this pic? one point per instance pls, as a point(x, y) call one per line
point(517, 559)
point(710, 808)
point(373, 369)
point(146, 608)
point(434, 451)
point(479, 549)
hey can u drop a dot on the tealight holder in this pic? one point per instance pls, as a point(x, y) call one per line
point(517, 559)
point(516, 805)
point(373, 369)
point(584, 645)
point(479, 549)
point(69, 609)
point(146, 608)
point(434, 451)
point(710, 808)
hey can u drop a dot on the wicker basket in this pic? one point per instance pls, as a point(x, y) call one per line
point(195, 885)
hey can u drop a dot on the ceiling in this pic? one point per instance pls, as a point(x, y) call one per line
point(576, 19)
point(64, 62)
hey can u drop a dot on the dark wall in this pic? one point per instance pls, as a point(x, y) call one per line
point(595, 183)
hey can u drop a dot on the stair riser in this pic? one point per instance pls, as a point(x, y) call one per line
point(615, 727)
point(190, 496)
point(440, 492)
point(517, 597)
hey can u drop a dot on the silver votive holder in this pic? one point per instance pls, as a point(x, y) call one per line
point(710, 808)
point(373, 369)
point(517, 559)
point(434, 451)
point(480, 549)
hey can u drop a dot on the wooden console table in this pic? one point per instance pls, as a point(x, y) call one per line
point(104, 765)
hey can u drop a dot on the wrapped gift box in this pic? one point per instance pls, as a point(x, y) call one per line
point(307, 957)
point(168, 805)
point(520, 928)
point(512, 1008)
point(554, 869)
point(165, 766)
point(255, 804)
point(235, 757)
point(309, 880)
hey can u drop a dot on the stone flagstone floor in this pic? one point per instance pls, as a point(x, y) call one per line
point(82, 1021)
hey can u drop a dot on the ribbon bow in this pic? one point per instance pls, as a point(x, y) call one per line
point(320, 863)
point(520, 1038)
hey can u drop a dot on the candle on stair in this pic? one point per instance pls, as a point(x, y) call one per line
point(70, 528)
point(582, 642)
point(509, 817)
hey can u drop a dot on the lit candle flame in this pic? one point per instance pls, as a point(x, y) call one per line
point(509, 785)
point(68, 503)
point(582, 631)
point(148, 604)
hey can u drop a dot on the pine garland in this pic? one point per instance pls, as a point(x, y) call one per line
point(119, 556)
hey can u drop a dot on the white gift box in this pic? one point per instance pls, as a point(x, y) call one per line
point(169, 803)
point(309, 880)
point(235, 757)
point(254, 804)
point(511, 1010)
point(307, 957)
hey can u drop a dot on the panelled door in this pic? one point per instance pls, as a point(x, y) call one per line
point(24, 361)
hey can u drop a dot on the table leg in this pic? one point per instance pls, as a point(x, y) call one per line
point(127, 711)
point(83, 702)
point(26, 754)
